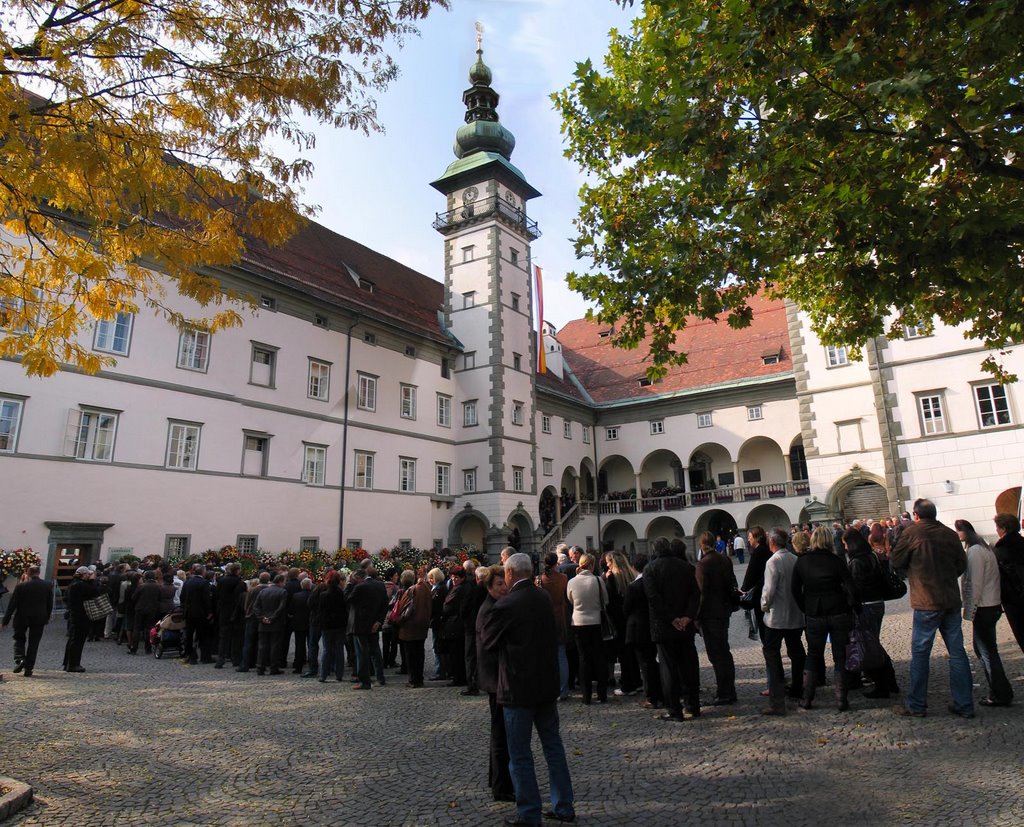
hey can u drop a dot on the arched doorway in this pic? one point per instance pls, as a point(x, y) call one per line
point(548, 509)
point(664, 527)
point(468, 527)
point(618, 534)
point(859, 495)
point(768, 517)
point(520, 534)
point(717, 522)
point(588, 490)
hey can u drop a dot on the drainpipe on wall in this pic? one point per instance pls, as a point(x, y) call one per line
point(344, 430)
point(597, 493)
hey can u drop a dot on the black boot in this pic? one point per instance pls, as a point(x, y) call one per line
point(842, 704)
point(810, 684)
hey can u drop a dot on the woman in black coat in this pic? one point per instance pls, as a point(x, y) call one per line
point(869, 578)
point(498, 776)
point(147, 612)
point(823, 590)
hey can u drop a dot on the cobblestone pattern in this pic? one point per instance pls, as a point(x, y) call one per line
point(135, 740)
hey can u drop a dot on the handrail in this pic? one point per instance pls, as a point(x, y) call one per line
point(701, 499)
point(569, 521)
point(482, 208)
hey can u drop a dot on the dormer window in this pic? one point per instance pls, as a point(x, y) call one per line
point(604, 334)
point(644, 382)
point(366, 285)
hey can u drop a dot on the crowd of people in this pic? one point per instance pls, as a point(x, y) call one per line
point(603, 625)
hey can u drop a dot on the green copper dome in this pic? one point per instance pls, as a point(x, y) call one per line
point(482, 132)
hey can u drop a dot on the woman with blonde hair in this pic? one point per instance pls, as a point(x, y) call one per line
point(824, 591)
point(617, 579)
point(588, 596)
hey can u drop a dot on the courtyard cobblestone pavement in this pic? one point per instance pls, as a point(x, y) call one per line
point(136, 740)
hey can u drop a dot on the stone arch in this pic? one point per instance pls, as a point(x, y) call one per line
point(762, 457)
point(469, 527)
point(705, 463)
point(547, 508)
point(664, 527)
point(618, 534)
point(769, 516)
point(616, 475)
point(588, 480)
point(716, 521)
point(859, 490)
point(661, 470)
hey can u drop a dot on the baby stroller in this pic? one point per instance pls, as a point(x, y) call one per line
point(168, 634)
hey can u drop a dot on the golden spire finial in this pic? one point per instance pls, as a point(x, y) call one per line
point(479, 36)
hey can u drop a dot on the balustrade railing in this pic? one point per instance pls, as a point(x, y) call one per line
point(700, 499)
point(445, 222)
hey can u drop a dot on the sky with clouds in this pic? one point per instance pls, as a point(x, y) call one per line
point(376, 190)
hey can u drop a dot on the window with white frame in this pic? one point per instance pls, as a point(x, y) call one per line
point(255, 454)
point(353, 543)
point(407, 394)
point(194, 349)
point(611, 434)
point(515, 300)
point(915, 331)
point(114, 335)
point(319, 386)
point(444, 410)
point(513, 256)
point(366, 398)
point(704, 420)
point(369, 337)
point(264, 365)
point(518, 477)
point(567, 429)
point(364, 470)
point(467, 253)
point(407, 475)
point(657, 427)
point(469, 360)
point(321, 321)
point(837, 355)
point(182, 445)
point(545, 424)
point(10, 420)
point(268, 302)
point(517, 413)
point(547, 467)
point(314, 465)
point(247, 543)
point(469, 481)
point(754, 412)
point(993, 406)
point(442, 479)
point(933, 416)
point(176, 545)
point(309, 544)
point(469, 413)
point(468, 299)
point(90, 435)
point(586, 434)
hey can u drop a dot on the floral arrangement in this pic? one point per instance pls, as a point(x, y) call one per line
point(13, 563)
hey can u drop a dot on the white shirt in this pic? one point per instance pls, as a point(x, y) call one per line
point(777, 602)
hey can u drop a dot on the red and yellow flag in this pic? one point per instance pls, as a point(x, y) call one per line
point(542, 365)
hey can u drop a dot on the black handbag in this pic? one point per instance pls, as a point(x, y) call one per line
point(864, 651)
point(608, 630)
point(893, 586)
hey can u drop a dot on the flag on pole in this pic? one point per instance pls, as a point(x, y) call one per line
point(541, 361)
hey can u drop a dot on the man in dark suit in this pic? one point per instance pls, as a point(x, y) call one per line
point(670, 584)
point(31, 605)
point(521, 629)
point(197, 606)
point(229, 587)
point(638, 637)
point(369, 599)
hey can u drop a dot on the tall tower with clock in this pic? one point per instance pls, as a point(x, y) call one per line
point(488, 307)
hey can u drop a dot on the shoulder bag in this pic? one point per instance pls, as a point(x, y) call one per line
point(98, 607)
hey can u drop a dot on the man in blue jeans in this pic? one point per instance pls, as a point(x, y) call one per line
point(933, 557)
point(521, 629)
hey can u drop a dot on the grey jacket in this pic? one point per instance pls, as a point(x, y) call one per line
point(777, 601)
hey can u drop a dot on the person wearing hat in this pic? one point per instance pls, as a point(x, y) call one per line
point(82, 588)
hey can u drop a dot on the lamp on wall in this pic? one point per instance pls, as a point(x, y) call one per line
point(948, 486)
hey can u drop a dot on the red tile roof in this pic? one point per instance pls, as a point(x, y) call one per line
point(717, 354)
point(318, 260)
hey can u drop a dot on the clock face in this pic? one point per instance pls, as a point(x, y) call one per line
point(469, 194)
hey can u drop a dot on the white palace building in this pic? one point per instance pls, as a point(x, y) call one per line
point(368, 405)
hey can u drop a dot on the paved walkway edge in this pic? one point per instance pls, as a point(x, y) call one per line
point(17, 799)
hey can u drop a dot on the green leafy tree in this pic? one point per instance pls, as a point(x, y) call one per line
point(863, 158)
point(146, 140)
